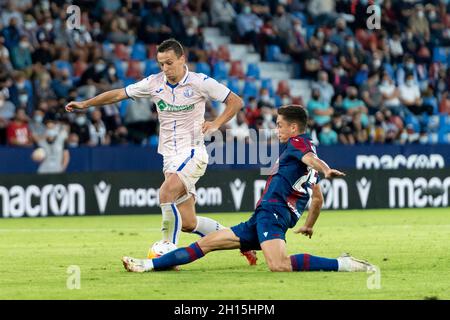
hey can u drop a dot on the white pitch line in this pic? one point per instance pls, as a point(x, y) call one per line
point(81, 230)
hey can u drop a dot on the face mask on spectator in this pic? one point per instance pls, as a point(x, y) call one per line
point(410, 82)
point(298, 28)
point(265, 97)
point(23, 99)
point(28, 25)
point(51, 134)
point(267, 117)
point(377, 63)
point(410, 65)
point(350, 44)
point(327, 48)
point(99, 67)
point(247, 10)
point(72, 144)
point(420, 14)
point(111, 72)
point(20, 85)
point(38, 118)
point(326, 129)
point(432, 15)
point(81, 121)
point(48, 26)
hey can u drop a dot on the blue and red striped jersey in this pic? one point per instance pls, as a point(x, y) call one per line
point(291, 181)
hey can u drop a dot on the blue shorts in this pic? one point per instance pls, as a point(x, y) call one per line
point(268, 222)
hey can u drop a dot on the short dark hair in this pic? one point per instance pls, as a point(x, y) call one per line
point(171, 44)
point(295, 113)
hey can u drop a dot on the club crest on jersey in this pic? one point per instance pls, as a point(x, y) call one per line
point(188, 92)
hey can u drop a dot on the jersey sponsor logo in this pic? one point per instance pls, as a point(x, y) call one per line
point(414, 161)
point(188, 92)
point(164, 106)
point(265, 234)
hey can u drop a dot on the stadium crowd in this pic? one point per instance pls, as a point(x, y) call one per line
point(387, 85)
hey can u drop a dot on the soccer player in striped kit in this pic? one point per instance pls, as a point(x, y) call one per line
point(180, 96)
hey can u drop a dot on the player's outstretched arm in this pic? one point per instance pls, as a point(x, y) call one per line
point(233, 104)
point(107, 97)
point(313, 212)
point(311, 160)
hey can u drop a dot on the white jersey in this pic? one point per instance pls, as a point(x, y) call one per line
point(181, 107)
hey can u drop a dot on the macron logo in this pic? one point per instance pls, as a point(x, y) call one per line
point(363, 186)
point(265, 234)
point(237, 191)
point(102, 194)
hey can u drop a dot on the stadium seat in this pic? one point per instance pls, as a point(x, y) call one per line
point(267, 84)
point(283, 88)
point(236, 70)
point(119, 68)
point(440, 54)
point(151, 51)
point(151, 67)
point(62, 64)
point(134, 70)
point(250, 89)
point(253, 71)
point(223, 53)
point(139, 51)
point(233, 85)
point(220, 70)
point(121, 51)
point(273, 53)
point(203, 67)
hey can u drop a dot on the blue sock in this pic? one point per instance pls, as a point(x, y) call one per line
point(306, 262)
point(178, 257)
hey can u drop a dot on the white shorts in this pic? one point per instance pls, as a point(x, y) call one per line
point(189, 166)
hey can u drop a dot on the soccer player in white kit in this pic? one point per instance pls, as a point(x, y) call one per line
point(179, 96)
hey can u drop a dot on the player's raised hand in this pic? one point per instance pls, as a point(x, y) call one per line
point(74, 105)
point(333, 173)
point(209, 127)
point(306, 231)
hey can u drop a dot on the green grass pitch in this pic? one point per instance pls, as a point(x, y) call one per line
point(411, 247)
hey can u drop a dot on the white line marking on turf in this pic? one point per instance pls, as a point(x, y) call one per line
point(79, 230)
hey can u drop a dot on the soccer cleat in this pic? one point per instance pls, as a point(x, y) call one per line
point(350, 264)
point(251, 257)
point(134, 265)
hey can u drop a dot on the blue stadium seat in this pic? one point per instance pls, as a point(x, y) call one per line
point(123, 107)
point(138, 52)
point(233, 85)
point(220, 71)
point(203, 67)
point(250, 89)
point(153, 140)
point(267, 84)
point(119, 69)
point(273, 53)
point(299, 15)
point(151, 67)
point(440, 55)
point(253, 71)
point(62, 64)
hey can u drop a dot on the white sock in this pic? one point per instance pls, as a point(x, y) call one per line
point(343, 264)
point(171, 222)
point(206, 225)
point(148, 264)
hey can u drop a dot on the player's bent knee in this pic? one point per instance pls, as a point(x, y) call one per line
point(188, 225)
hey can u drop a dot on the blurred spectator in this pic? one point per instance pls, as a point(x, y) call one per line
point(223, 15)
point(11, 34)
point(140, 121)
point(319, 110)
point(97, 130)
point(239, 128)
point(419, 23)
point(324, 86)
point(21, 54)
point(37, 126)
point(79, 130)
point(57, 156)
point(327, 135)
point(7, 111)
point(410, 96)
point(21, 93)
point(390, 94)
point(248, 25)
point(355, 107)
point(18, 133)
point(371, 94)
